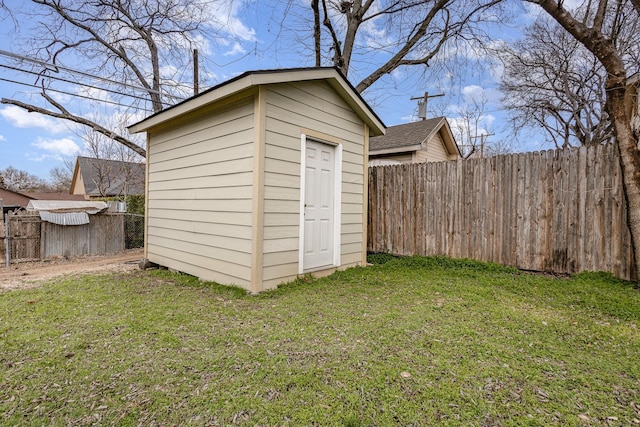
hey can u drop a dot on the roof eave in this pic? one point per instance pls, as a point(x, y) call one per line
point(395, 150)
point(450, 142)
point(257, 78)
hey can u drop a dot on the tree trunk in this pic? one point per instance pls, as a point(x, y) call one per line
point(630, 164)
point(315, 5)
point(605, 50)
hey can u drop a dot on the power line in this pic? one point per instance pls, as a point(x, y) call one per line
point(72, 82)
point(82, 73)
point(72, 94)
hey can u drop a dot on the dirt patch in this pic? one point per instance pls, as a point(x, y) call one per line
point(32, 274)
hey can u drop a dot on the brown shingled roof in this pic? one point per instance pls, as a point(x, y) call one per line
point(405, 135)
point(54, 196)
point(13, 198)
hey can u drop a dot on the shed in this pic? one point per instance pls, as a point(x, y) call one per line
point(260, 179)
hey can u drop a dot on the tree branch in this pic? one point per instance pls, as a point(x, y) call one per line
point(396, 60)
point(80, 120)
point(337, 55)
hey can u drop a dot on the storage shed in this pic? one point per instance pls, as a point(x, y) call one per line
point(260, 179)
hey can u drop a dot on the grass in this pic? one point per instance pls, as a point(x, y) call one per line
point(414, 341)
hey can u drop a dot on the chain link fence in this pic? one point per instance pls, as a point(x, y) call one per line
point(133, 231)
point(24, 237)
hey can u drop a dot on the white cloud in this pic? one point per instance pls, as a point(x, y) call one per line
point(2, 138)
point(479, 94)
point(236, 49)
point(57, 147)
point(22, 119)
point(472, 92)
point(225, 19)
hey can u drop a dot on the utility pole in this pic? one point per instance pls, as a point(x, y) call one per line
point(422, 103)
point(196, 79)
point(483, 137)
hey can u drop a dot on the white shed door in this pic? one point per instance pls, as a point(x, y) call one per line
point(319, 199)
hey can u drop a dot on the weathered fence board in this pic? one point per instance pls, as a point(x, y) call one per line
point(32, 239)
point(556, 211)
point(103, 235)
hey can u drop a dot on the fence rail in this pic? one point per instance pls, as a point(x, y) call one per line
point(30, 238)
point(558, 211)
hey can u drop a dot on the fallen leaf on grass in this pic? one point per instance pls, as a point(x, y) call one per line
point(542, 395)
point(405, 374)
point(583, 417)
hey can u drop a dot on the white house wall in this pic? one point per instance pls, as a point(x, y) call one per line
point(200, 194)
point(293, 109)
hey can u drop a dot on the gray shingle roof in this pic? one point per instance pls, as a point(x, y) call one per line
point(405, 135)
point(111, 177)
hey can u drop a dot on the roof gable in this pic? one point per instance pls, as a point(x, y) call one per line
point(102, 177)
point(252, 79)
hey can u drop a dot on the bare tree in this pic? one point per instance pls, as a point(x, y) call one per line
point(473, 128)
point(398, 32)
point(598, 26)
point(137, 50)
point(551, 81)
point(19, 180)
point(60, 179)
point(112, 166)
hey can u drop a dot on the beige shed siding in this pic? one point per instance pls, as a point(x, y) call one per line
point(200, 194)
point(290, 109)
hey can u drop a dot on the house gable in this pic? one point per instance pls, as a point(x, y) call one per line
point(426, 140)
point(106, 178)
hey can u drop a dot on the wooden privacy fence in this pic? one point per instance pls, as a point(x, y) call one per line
point(558, 211)
point(32, 239)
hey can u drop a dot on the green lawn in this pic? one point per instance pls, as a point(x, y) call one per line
point(413, 342)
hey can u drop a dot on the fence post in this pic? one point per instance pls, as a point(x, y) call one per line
point(43, 226)
point(7, 245)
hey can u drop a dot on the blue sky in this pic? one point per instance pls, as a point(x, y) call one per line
point(37, 143)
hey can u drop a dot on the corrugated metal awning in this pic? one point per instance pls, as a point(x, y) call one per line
point(65, 218)
point(67, 205)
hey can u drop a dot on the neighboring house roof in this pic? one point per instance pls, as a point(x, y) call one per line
point(13, 199)
point(53, 196)
point(103, 178)
point(411, 136)
point(264, 77)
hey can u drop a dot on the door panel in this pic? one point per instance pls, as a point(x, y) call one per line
point(319, 202)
